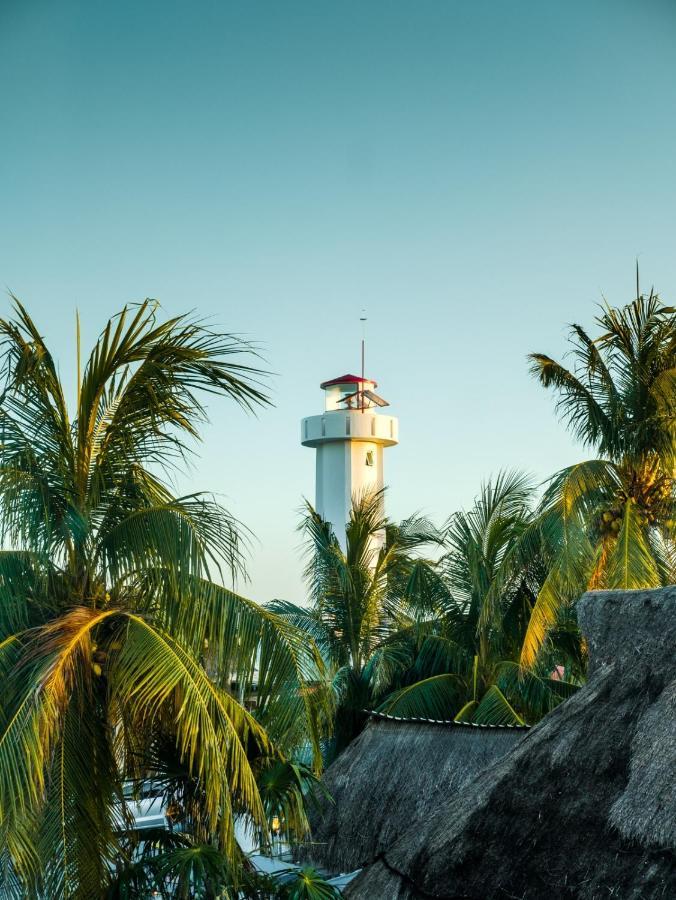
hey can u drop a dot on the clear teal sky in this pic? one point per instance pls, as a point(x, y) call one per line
point(476, 174)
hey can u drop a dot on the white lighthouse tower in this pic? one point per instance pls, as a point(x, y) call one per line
point(349, 437)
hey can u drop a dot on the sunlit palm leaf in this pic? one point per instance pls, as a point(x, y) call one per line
point(631, 563)
point(58, 659)
point(552, 596)
point(495, 709)
point(466, 712)
point(212, 729)
point(247, 643)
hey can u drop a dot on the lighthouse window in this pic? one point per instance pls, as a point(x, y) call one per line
point(369, 458)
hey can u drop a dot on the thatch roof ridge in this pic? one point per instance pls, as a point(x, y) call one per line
point(585, 805)
point(376, 714)
point(395, 770)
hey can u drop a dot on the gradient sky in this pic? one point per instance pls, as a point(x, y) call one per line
point(475, 174)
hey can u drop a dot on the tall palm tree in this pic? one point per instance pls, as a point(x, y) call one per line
point(466, 663)
point(359, 595)
point(609, 522)
point(112, 629)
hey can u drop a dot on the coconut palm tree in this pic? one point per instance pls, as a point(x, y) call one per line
point(112, 627)
point(466, 664)
point(608, 522)
point(360, 593)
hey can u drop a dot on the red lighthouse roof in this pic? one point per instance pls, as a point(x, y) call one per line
point(347, 379)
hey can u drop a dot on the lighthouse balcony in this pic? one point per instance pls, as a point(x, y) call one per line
point(350, 425)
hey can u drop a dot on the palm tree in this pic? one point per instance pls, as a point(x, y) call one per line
point(112, 629)
point(466, 661)
point(359, 597)
point(608, 522)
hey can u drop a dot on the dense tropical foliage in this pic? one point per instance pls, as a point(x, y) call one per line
point(115, 641)
point(409, 634)
point(486, 631)
point(466, 647)
point(125, 660)
point(360, 595)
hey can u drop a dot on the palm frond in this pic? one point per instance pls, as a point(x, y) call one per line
point(433, 698)
point(141, 385)
point(466, 712)
point(184, 535)
point(631, 563)
point(534, 693)
point(152, 671)
point(552, 596)
point(577, 406)
point(58, 658)
point(76, 833)
point(247, 643)
point(495, 709)
point(388, 663)
point(440, 653)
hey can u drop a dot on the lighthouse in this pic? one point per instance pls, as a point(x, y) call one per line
point(349, 437)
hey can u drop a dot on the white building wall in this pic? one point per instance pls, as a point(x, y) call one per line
point(349, 447)
point(365, 477)
point(342, 473)
point(332, 484)
point(353, 425)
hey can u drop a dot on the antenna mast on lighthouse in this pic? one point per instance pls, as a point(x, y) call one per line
point(362, 319)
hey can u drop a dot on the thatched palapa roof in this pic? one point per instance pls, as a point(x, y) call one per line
point(585, 806)
point(396, 770)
